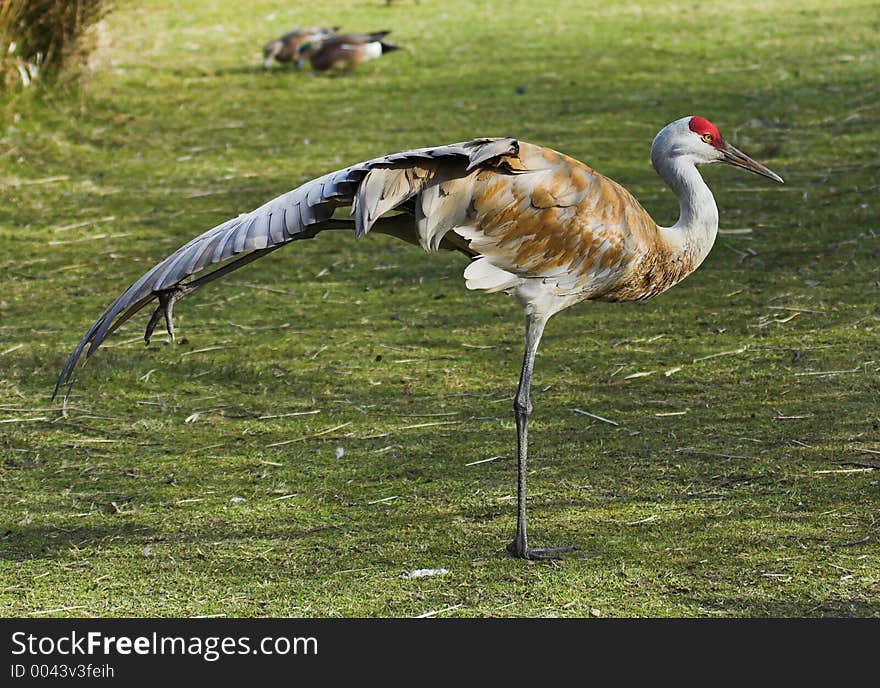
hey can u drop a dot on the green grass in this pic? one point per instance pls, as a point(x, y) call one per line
point(745, 503)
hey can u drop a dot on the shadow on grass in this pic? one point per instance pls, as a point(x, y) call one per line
point(751, 607)
point(254, 69)
point(21, 543)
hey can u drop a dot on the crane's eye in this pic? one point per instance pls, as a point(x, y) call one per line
point(707, 138)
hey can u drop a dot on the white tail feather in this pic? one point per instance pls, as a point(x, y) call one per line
point(482, 274)
point(372, 50)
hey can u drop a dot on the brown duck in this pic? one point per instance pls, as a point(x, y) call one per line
point(284, 49)
point(344, 51)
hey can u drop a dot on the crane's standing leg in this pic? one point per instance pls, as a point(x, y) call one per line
point(522, 409)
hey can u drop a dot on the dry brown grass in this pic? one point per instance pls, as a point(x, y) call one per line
point(45, 37)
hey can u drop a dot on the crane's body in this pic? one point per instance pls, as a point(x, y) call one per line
point(537, 224)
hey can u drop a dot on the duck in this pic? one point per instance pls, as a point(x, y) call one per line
point(284, 49)
point(344, 51)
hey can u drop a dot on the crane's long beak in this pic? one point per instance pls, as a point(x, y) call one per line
point(734, 156)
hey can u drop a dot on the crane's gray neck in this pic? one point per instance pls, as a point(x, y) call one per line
point(694, 233)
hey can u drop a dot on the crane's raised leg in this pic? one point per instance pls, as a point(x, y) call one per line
point(522, 409)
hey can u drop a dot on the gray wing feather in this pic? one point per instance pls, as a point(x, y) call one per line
point(277, 224)
point(297, 214)
point(315, 194)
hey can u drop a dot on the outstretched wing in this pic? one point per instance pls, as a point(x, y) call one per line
point(527, 213)
point(297, 214)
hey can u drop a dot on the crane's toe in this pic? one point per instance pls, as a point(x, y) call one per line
point(515, 549)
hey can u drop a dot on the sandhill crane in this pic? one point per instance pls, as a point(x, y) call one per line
point(284, 49)
point(343, 51)
point(537, 224)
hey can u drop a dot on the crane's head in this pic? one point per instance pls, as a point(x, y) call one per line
point(696, 139)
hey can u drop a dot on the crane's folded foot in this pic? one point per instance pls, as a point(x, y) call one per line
point(515, 549)
point(165, 308)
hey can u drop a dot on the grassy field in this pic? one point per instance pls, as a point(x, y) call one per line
point(739, 476)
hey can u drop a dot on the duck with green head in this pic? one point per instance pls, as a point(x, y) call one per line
point(285, 49)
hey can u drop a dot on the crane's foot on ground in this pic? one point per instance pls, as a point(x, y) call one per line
point(516, 549)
